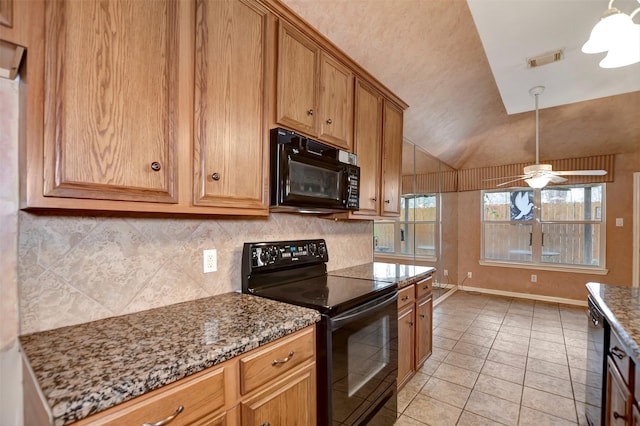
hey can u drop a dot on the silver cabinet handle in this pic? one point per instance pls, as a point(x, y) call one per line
point(168, 419)
point(215, 176)
point(282, 361)
point(155, 166)
point(310, 112)
point(329, 121)
point(374, 199)
point(616, 351)
point(422, 315)
point(387, 201)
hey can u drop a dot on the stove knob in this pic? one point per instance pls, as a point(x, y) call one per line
point(322, 250)
point(265, 257)
point(273, 252)
point(312, 249)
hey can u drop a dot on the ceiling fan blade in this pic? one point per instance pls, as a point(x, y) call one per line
point(558, 179)
point(580, 172)
point(511, 181)
point(504, 177)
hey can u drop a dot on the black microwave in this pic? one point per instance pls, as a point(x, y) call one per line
point(308, 176)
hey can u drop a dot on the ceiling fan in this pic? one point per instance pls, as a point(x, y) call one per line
point(539, 175)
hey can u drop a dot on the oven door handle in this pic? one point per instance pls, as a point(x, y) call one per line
point(374, 305)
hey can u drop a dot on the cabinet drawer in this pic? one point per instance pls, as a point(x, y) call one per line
point(199, 396)
point(273, 361)
point(406, 296)
point(424, 287)
point(620, 357)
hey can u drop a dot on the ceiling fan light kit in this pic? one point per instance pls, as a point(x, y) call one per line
point(617, 35)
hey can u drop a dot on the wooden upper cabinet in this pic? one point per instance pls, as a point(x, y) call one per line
point(391, 159)
point(336, 103)
point(110, 99)
point(367, 143)
point(297, 99)
point(315, 92)
point(230, 154)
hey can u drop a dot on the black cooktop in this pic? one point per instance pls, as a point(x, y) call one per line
point(295, 272)
point(328, 294)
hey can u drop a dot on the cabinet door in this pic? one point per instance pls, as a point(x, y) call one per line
point(291, 402)
point(619, 400)
point(391, 159)
point(423, 330)
point(367, 143)
point(336, 103)
point(111, 99)
point(230, 129)
point(297, 85)
point(406, 344)
point(635, 416)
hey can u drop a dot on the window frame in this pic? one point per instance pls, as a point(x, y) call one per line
point(537, 225)
point(404, 223)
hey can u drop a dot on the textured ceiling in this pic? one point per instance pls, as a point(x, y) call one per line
point(430, 54)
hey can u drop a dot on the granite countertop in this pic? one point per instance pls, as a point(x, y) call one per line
point(403, 275)
point(621, 307)
point(90, 367)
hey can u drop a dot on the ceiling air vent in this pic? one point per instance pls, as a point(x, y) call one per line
point(544, 59)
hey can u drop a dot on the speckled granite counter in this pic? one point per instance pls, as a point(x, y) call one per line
point(621, 307)
point(404, 275)
point(90, 367)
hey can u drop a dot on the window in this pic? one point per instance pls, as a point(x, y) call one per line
point(558, 225)
point(414, 233)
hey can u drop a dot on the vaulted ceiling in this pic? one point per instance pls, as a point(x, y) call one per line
point(457, 70)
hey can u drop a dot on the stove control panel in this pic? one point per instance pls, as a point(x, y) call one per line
point(284, 253)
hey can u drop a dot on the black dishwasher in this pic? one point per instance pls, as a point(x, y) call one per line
point(598, 337)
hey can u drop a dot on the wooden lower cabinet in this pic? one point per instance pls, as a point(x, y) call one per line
point(423, 330)
point(285, 403)
point(619, 398)
point(406, 343)
point(214, 397)
point(415, 319)
point(635, 416)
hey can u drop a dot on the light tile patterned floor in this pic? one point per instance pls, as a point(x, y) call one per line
point(500, 361)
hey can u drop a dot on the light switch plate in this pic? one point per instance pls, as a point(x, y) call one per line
point(619, 221)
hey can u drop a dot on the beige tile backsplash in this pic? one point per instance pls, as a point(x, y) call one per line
point(75, 269)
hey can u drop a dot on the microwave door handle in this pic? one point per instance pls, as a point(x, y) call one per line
point(338, 321)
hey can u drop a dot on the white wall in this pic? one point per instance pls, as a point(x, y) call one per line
point(10, 366)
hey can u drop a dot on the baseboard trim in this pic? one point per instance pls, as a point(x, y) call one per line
point(540, 297)
point(445, 296)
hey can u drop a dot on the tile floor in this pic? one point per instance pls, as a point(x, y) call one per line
point(500, 361)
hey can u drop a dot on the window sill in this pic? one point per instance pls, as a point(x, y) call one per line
point(381, 257)
point(546, 267)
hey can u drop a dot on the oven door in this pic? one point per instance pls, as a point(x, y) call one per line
point(364, 363)
point(304, 180)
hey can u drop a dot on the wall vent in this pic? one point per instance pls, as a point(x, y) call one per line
point(544, 59)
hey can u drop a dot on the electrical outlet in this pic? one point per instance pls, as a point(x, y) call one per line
point(446, 272)
point(209, 261)
point(534, 278)
point(469, 275)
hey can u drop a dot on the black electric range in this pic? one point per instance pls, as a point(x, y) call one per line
point(356, 338)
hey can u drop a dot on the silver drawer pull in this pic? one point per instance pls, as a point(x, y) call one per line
point(168, 419)
point(282, 361)
point(616, 351)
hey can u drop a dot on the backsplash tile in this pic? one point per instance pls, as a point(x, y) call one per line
point(75, 269)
